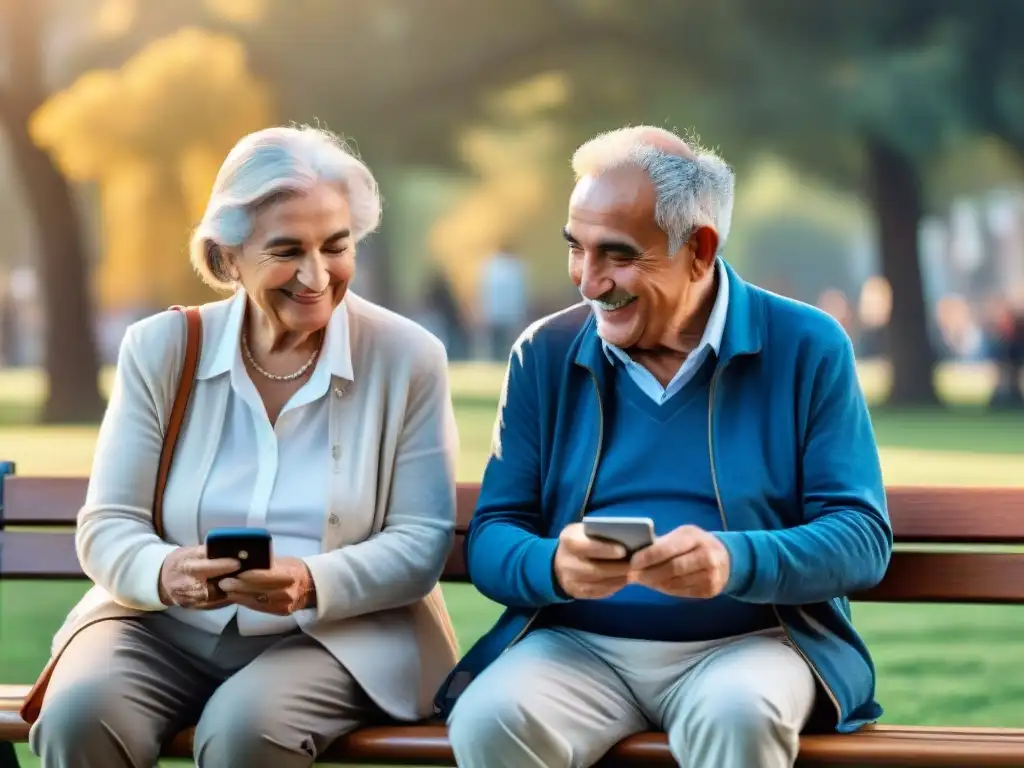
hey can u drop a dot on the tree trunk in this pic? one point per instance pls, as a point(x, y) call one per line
point(71, 360)
point(72, 364)
point(894, 189)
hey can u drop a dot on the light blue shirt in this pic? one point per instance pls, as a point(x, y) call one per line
point(710, 341)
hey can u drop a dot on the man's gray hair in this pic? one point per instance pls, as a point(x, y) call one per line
point(268, 166)
point(691, 192)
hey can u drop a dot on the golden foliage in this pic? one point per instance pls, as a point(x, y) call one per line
point(518, 196)
point(239, 11)
point(113, 18)
point(151, 135)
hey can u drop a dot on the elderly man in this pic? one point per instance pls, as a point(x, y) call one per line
point(732, 418)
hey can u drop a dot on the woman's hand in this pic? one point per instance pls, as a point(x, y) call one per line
point(283, 589)
point(188, 579)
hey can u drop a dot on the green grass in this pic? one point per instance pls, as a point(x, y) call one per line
point(937, 664)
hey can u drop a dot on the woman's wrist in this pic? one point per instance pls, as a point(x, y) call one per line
point(309, 590)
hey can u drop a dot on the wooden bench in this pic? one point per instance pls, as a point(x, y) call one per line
point(37, 518)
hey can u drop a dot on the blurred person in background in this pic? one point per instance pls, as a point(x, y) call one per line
point(874, 310)
point(961, 337)
point(23, 319)
point(315, 414)
point(502, 301)
point(834, 303)
point(443, 313)
point(1006, 342)
point(8, 326)
point(731, 418)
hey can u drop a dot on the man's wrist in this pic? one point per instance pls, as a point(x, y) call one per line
point(555, 582)
point(741, 561)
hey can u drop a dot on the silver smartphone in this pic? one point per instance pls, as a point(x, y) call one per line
point(634, 533)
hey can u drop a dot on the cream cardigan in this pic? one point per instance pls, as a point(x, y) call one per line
point(391, 514)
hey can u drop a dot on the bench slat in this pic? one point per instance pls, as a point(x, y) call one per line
point(51, 556)
point(32, 555)
point(953, 515)
point(957, 577)
point(466, 495)
point(874, 745)
point(55, 501)
point(455, 567)
point(42, 500)
point(969, 577)
point(920, 515)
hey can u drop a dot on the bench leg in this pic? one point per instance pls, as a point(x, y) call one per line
point(8, 757)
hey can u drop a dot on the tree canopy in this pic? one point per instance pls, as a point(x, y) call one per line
point(152, 135)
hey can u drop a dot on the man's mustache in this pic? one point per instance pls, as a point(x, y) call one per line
point(612, 297)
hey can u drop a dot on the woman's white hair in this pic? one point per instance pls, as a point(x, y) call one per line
point(693, 185)
point(271, 165)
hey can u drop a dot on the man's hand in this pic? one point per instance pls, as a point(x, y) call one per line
point(687, 562)
point(283, 589)
point(188, 579)
point(589, 569)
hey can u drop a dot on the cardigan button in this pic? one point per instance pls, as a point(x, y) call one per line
point(333, 519)
point(339, 392)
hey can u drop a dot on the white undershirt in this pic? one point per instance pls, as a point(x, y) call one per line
point(271, 476)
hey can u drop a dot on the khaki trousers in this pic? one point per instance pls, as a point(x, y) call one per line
point(125, 686)
point(561, 699)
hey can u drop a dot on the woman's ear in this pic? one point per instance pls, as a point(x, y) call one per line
point(229, 262)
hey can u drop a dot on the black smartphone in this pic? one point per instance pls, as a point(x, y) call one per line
point(249, 546)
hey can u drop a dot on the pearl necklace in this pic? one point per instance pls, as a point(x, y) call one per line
point(274, 376)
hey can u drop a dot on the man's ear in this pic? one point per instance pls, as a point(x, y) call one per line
point(704, 245)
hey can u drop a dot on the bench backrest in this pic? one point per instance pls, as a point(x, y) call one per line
point(981, 531)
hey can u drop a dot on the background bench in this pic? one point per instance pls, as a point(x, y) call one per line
point(37, 519)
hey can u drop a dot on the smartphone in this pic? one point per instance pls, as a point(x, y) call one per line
point(634, 533)
point(249, 546)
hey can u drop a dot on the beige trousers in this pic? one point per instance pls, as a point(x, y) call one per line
point(561, 699)
point(125, 686)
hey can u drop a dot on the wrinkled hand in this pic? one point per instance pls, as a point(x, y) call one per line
point(687, 562)
point(188, 579)
point(283, 589)
point(588, 568)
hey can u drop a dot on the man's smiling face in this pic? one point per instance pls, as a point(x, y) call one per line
point(619, 259)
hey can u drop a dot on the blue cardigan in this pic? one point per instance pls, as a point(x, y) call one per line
point(795, 469)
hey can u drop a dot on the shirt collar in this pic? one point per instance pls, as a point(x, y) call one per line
point(337, 347)
point(714, 331)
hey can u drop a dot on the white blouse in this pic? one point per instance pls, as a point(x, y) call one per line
point(273, 476)
point(389, 520)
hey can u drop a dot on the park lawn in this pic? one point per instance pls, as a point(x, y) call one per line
point(937, 665)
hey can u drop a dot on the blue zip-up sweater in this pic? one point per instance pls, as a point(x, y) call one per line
point(795, 469)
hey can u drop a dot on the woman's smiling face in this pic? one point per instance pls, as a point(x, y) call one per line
point(300, 258)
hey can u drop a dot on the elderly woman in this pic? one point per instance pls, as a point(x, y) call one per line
point(315, 415)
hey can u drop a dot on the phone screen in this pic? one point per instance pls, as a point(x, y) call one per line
point(250, 546)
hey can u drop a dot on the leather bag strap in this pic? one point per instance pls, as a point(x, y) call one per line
point(193, 347)
point(33, 703)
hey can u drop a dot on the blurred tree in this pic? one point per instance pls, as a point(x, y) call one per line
point(71, 359)
point(517, 163)
point(991, 61)
point(902, 84)
point(402, 78)
point(152, 135)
